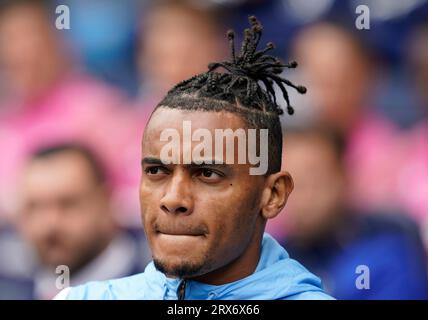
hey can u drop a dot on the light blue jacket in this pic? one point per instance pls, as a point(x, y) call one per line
point(276, 277)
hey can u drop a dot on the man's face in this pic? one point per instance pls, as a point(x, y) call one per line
point(197, 218)
point(30, 61)
point(329, 78)
point(318, 176)
point(169, 34)
point(65, 211)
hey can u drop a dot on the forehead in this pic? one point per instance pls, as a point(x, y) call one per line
point(166, 118)
point(310, 154)
point(58, 173)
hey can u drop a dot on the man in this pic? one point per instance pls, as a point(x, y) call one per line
point(49, 98)
point(204, 218)
point(359, 254)
point(169, 31)
point(67, 219)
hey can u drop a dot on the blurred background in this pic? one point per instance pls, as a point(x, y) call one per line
point(73, 104)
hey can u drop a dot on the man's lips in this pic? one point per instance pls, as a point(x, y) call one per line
point(174, 230)
point(179, 233)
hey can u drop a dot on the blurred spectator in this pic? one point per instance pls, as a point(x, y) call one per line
point(417, 62)
point(333, 240)
point(388, 164)
point(413, 173)
point(338, 72)
point(66, 216)
point(171, 33)
point(49, 99)
point(31, 57)
point(340, 75)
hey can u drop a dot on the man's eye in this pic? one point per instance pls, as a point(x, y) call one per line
point(154, 170)
point(209, 174)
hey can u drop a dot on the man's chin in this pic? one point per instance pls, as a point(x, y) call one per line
point(180, 269)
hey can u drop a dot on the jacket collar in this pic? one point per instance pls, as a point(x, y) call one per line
point(271, 254)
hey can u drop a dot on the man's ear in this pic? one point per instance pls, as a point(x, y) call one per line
point(278, 187)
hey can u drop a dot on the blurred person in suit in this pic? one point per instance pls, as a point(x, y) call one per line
point(66, 218)
point(333, 240)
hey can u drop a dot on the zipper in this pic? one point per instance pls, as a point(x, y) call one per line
point(181, 291)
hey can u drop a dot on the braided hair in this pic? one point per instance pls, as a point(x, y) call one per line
point(247, 88)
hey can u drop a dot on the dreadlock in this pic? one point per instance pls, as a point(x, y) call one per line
point(239, 90)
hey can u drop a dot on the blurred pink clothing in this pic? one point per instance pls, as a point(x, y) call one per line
point(77, 109)
point(388, 167)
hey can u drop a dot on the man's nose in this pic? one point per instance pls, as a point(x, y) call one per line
point(177, 197)
point(50, 218)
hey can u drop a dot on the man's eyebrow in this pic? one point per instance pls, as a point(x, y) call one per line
point(151, 160)
point(200, 162)
point(207, 162)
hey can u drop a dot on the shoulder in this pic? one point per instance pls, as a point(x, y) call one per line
point(63, 294)
point(310, 295)
point(127, 288)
